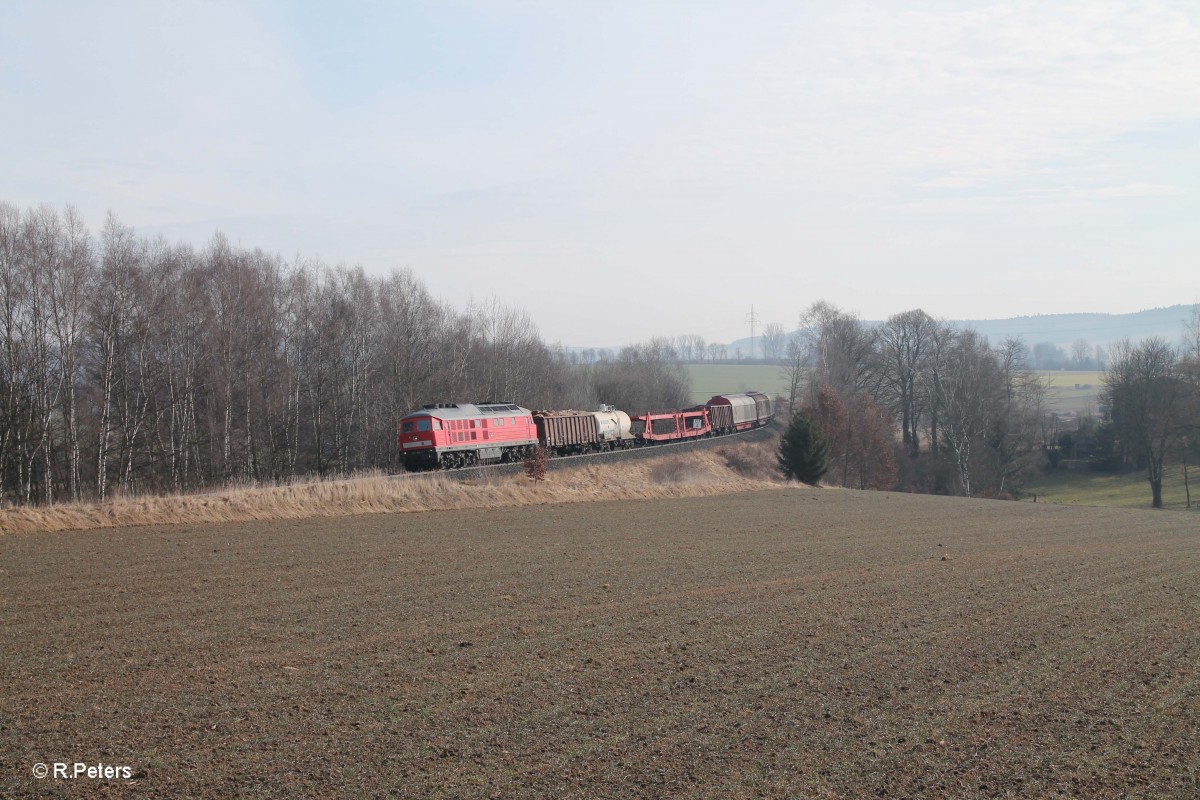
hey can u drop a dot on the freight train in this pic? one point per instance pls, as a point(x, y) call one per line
point(452, 435)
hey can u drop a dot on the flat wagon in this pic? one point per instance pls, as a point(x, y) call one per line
point(670, 426)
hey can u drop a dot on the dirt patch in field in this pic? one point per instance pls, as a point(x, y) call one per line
point(797, 642)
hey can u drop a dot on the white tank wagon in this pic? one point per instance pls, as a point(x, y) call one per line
point(613, 425)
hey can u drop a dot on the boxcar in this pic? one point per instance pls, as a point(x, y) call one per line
point(721, 416)
point(762, 404)
point(739, 412)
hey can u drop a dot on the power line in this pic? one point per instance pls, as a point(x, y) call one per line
point(752, 318)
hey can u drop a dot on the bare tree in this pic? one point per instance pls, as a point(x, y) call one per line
point(1020, 428)
point(841, 349)
point(13, 289)
point(933, 382)
point(690, 347)
point(68, 289)
point(795, 369)
point(1081, 349)
point(1191, 334)
point(1149, 397)
point(109, 317)
point(904, 342)
point(774, 339)
point(972, 384)
point(42, 250)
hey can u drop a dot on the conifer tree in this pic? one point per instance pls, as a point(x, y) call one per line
point(803, 454)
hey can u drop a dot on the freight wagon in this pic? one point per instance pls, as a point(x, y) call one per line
point(670, 426)
point(739, 412)
point(575, 432)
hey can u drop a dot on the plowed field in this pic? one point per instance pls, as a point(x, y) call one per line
point(799, 643)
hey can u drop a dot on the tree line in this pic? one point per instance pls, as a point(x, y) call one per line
point(916, 404)
point(130, 364)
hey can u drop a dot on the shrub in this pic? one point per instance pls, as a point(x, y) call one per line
point(749, 461)
point(535, 463)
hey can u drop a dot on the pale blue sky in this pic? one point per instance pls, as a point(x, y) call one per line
point(673, 162)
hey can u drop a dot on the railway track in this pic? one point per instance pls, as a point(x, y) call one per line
point(559, 462)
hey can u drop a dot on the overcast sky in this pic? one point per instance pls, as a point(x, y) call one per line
point(629, 169)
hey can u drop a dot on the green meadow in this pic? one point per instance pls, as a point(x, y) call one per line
point(1076, 392)
point(1083, 487)
point(710, 379)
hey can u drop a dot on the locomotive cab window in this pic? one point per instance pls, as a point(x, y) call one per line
point(424, 425)
point(406, 427)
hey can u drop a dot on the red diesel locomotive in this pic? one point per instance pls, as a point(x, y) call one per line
point(448, 435)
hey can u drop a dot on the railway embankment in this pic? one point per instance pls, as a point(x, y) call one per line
point(693, 469)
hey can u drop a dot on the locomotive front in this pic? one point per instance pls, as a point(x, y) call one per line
point(419, 434)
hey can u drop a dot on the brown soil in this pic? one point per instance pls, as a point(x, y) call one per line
point(797, 642)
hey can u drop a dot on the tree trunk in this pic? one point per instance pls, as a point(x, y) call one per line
point(109, 369)
point(1186, 488)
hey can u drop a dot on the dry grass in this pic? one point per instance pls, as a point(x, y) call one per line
point(693, 474)
point(754, 460)
point(675, 471)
